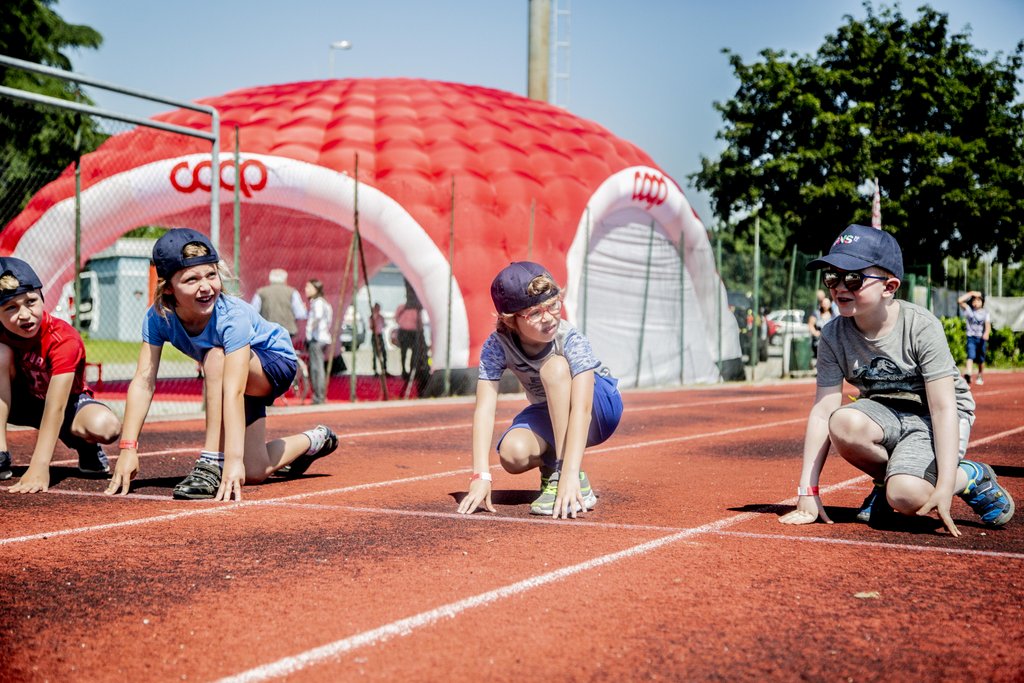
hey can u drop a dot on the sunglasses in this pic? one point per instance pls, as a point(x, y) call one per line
point(852, 280)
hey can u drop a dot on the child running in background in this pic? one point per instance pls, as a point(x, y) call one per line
point(247, 363)
point(910, 425)
point(574, 402)
point(42, 362)
point(978, 325)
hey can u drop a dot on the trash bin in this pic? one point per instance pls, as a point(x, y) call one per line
point(800, 353)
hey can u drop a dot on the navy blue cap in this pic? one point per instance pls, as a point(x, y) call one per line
point(859, 247)
point(167, 252)
point(27, 279)
point(508, 291)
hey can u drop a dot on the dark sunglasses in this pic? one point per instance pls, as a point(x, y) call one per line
point(853, 280)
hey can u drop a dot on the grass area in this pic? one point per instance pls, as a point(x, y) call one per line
point(111, 351)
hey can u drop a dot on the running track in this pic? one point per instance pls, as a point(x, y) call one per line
point(362, 570)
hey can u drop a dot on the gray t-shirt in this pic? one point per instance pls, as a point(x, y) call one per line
point(895, 367)
point(502, 350)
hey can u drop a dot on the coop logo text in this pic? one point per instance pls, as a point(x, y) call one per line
point(649, 188)
point(188, 179)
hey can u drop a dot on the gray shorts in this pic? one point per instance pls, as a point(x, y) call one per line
point(907, 437)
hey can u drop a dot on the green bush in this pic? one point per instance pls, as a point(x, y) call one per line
point(1005, 347)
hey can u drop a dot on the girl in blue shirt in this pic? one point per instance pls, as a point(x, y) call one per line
point(247, 363)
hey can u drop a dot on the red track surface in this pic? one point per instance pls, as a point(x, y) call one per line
point(362, 570)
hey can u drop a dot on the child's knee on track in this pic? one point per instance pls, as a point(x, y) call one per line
point(852, 429)
point(555, 373)
point(213, 364)
point(516, 449)
point(907, 493)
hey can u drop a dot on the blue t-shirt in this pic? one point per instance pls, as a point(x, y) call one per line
point(234, 324)
point(502, 350)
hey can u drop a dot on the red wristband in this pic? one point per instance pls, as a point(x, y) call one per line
point(125, 443)
point(486, 476)
point(802, 491)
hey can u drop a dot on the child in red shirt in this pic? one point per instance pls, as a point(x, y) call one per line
point(42, 363)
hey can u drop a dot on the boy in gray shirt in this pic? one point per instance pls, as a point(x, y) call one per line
point(915, 410)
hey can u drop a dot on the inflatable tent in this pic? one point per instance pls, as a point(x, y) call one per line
point(526, 180)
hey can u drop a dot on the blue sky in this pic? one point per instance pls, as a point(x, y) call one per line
point(648, 70)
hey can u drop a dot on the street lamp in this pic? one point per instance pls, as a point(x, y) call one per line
point(337, 45)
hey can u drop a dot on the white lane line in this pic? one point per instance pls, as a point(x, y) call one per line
point(875, 544)
point(404, 627)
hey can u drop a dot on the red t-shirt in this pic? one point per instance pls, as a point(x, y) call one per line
point(56, 350)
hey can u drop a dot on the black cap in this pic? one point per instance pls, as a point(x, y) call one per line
point(508, 291)
point(859, 247)
point(167, 252)
point(27, 279)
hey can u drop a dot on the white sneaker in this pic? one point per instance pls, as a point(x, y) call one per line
point(980, 380)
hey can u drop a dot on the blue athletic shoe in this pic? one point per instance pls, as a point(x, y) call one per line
point(986, 497)
point(875, 510)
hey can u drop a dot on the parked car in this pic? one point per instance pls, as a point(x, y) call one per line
point(791, 322)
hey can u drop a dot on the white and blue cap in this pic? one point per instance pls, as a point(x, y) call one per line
point(859, 247)
point(168, 252)
point(27, 279)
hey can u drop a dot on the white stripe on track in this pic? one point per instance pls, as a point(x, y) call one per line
point(404, 627)
point(902, 547)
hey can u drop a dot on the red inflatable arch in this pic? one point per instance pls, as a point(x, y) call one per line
point(515, 163)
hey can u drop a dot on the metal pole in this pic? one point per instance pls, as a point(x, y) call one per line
point(789, 306)
point(682, 307)
point(718, 298)
point(643, 311)
point(238, 211)
point(451, 279)
point(756, 332)
point(78, 247)
point(355, 284)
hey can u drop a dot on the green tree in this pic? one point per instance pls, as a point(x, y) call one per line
point(37, 142)
point(907, 102)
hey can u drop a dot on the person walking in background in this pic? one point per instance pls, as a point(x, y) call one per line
point(909, 427)
point(377, 340)
point(42, 363)
point(978, 323)
point(410, 335)
point(247, 363)
point(574, 400)
point(280, 303)
point(817, 320)
point(318, 338)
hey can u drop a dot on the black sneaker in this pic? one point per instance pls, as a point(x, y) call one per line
point(201, 483)
point(92, 461)
point(5, 465)
point(298, 466)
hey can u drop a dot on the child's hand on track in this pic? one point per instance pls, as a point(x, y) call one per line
point(231, 480)
point(940, 503)
point(808, 510)
point(36, 479)
point(479, 492)
point(568, 498)
point(124, 472)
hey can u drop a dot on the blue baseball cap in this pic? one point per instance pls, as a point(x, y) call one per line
point(167, 252)
point(27, 279)
point(508, 291)
point(859, 247)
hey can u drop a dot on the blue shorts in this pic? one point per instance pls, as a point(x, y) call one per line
point(976, 349)
point(604, 416)
point(280, 371)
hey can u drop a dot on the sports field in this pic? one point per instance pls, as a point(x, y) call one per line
point(362, 570)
